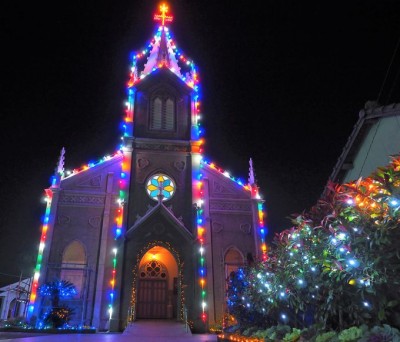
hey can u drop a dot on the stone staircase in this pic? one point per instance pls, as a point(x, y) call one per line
point(157, 329)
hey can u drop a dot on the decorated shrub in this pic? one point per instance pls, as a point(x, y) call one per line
point(337, 267)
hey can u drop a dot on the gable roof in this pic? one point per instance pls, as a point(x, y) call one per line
point(161, 209)
point(236, 185)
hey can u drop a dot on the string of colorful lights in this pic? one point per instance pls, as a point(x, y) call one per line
point(45, 226)
point(127, 127)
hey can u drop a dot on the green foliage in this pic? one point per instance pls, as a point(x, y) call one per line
point(383, 333)
point(351, 334)
point(267, 334)
point(292, 336)
point(262, 334)
point(326, 337)
point(249, 331)
point(281, 331)
point(284, 333)
point(310, 333)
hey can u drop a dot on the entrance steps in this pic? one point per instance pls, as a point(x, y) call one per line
point(157, 328)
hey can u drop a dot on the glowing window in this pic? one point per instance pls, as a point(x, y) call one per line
point(160, 187)
point(73, 266)
point(153, 269)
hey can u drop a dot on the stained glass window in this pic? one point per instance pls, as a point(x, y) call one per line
point(161, 187)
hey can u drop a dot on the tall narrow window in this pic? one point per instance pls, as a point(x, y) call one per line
point(169, 114)
point(73, 265)
point(162, 116)
point(156, 114)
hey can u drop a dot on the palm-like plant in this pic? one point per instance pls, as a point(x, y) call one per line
point(59, 315)
point(56, 290)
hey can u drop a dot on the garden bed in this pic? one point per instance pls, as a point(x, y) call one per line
point(237, 338)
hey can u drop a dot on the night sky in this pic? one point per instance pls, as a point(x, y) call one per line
point(282, 83)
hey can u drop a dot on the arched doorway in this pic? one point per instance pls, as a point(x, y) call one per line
point(13, 310)
point(157, 285)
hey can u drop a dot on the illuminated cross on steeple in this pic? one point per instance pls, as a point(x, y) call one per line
point(163, 17)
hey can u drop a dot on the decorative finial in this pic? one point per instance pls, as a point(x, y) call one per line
point(163, 17)
point(251, 173)
point(60, 165)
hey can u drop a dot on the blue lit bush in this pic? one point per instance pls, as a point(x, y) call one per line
point(58, 315)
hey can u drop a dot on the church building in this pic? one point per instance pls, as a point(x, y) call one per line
point(154, 230)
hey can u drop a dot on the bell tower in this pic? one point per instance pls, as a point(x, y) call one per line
point(161, 142)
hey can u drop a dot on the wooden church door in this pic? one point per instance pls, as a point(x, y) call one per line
point(152, 292)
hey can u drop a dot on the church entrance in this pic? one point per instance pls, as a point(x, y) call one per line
point(152, 291)
point(156, 285)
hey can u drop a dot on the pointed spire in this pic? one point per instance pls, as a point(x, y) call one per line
point(60, 166)
point(163, 55)
point(252, 181)
point(251, 173)
point(58, 171)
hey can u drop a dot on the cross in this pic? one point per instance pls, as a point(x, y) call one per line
point(163, 17)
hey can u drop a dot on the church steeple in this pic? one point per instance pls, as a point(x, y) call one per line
point(162, 53)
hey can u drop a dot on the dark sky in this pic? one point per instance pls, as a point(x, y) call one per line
point(282, 83)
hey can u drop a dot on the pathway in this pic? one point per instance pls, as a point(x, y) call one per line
point(141, 331)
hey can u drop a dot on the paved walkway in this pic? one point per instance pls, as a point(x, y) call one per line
point(141, 331)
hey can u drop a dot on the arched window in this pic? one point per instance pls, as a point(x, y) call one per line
point(233, 260)
point(162, 114)
point(73, 265)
